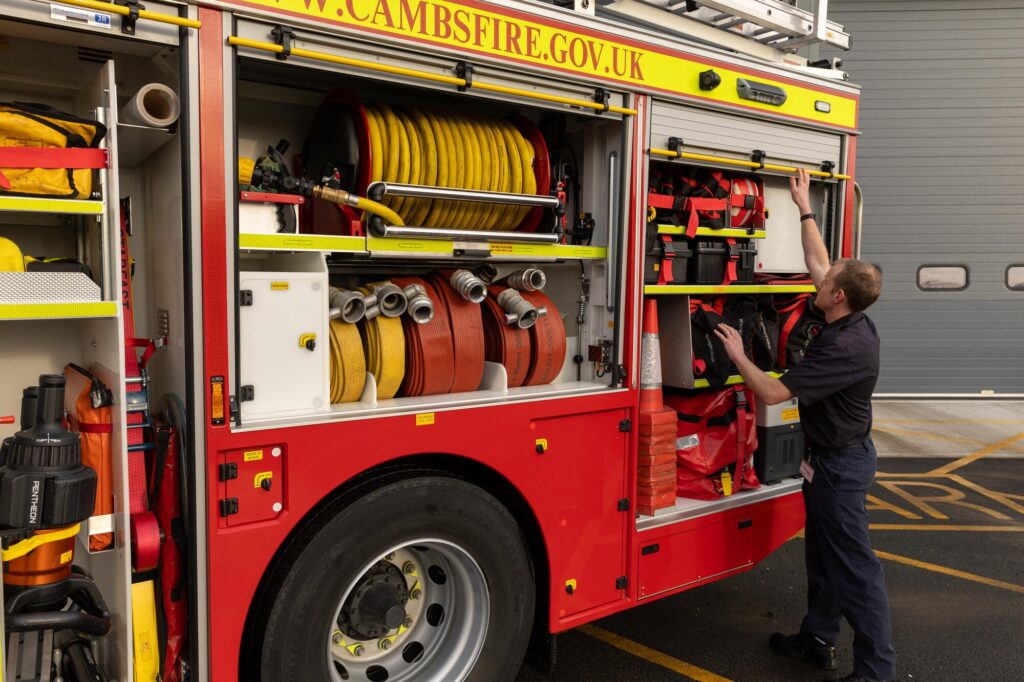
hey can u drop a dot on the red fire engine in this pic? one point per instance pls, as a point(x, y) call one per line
point(421, 288)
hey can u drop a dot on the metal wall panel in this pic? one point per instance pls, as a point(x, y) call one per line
point(736, 137)
point(941, 163)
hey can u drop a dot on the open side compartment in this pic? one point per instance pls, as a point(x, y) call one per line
point(479, 193)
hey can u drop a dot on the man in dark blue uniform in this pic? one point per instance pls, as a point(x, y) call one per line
point(834, 383)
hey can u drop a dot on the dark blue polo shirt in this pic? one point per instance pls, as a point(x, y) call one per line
point(834, 382)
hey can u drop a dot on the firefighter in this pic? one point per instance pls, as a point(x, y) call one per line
point(834, 383)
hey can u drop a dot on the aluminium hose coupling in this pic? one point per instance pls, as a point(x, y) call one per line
point(518, 310)
point(527, 279)
point(488, 272)
point(391, 299)
point(347, 306)
point(421, 308)
point(469, 286)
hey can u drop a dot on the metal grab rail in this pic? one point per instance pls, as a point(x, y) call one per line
point(143, 13)
point(475, 84)
point(744, 163)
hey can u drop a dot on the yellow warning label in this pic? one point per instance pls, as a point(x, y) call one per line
point(279, 286)
point(791, 414)
point(67, 556)
point(252, 455)
point(425, 419)
point(258, 479)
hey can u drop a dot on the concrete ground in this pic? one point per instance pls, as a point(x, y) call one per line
point(947, 513)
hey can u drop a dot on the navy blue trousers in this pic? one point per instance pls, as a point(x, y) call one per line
point(844, 577)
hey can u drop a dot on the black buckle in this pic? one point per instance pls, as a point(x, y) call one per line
point(675, 144)
point(741, 398)
point(129, 20)
point(602, 97)
point(828, 167)
point(668, 245)
point(283, 36)
point(758, 156)
point(464, 70)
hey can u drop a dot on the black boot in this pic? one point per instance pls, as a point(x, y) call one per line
point(815, 651)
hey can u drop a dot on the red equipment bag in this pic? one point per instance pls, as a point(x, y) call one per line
point(716, 440)
point(800, 322)
point(166, 496)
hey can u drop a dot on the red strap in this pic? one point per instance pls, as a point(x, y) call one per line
point(784, 333)
point(741, 435)
point(692, 221)
point(52, 157)
point(666, 276)
point(660, 200)
point(730, 267)
point(150, 348)
point(89, 428)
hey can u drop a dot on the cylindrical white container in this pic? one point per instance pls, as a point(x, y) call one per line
point(154, 105)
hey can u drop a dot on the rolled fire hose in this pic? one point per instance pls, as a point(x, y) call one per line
point(445, 149)
point(504, 343)
point(547, 341)
point(430, 359)
point(348, 363)
point(384, 345)
point(467, 333)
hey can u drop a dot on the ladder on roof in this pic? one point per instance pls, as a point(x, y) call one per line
point(773, 23)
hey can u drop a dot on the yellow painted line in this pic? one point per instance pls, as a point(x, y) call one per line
point(652, 655)
point(947, 528)
point(931, 435)
point(1002, 498)
point(976, 455)
point(964, 575)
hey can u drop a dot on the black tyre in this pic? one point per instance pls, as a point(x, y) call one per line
point(424, 579)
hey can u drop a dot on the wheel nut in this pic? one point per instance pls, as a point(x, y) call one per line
point(385, 644)
point(389, 556)
point(409, 568)
point(416, 593)
point(337, 638)
point(358, 650)
point(408, 623)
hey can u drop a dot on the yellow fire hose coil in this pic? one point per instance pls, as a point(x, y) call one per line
point(348, 363)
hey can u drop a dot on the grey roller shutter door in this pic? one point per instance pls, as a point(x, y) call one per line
point(941, 163)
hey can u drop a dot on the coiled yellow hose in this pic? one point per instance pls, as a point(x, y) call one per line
point(348, 364)
point(446, 149)
point(384, 343)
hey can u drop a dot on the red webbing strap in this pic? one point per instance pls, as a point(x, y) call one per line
point(52, 157)
point(429, 358)
point(692, 221)
point(733, 258)
point(467, 332)
point(505, 343)
point(668, 248)
point(787, 328)
point(548, 339)
point(88, 428)
point(741, 435)
point(148, 344)
point(656, 200)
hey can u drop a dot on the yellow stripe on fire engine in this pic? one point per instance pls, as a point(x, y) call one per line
point(514, 36)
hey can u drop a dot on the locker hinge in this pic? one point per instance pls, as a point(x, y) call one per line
point(283, 36)
point(245, 297)
point(228, 471)
point(621, 583)
point(229, 506)
point(621, 505)
point(246, 393)
point(626, 425)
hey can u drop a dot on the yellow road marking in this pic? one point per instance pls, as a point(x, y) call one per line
point(976, 455)
point(1002, 498)
point(947, 527)
point(952, 497)
point(951, 572)
point(651, 655)
point(930, 435)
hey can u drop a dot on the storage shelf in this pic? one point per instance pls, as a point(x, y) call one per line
point(58, 311)
point(731, 381)
point(301, 242)
point(711, 232)
point(428, 248)
point(45, 205)
point(729, 288)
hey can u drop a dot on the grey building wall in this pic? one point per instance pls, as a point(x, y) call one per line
point(941, 163)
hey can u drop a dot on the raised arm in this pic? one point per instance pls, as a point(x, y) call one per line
point(815, 253)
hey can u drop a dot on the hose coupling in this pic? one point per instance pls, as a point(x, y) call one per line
point(421, 308)
point(527, 279)
point(469, 286)
point(517, 309)
point(348, 306)
point(372, 311)
point(487, 272)
point(335, 196)
point(390, 299)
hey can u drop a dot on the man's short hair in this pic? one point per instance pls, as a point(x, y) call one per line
point(860, 281)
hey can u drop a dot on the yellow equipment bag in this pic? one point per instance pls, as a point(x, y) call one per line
point(32, 163)
point(11, 259)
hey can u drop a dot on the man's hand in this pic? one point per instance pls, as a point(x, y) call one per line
point(732, 341)
point(800, 190)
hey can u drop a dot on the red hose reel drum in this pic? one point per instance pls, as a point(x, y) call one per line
point(747, 201)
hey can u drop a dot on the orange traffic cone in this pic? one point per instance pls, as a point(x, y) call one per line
point(650, 360)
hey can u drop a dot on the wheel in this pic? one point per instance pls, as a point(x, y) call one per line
point(424, 579)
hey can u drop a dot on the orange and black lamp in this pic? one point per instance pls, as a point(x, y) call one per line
point(45, 494)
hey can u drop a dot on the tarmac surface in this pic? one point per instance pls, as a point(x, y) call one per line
point(947, 512)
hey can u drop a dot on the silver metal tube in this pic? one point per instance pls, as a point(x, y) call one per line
point(527, 279)
point(466, 235)
point(428, 192)
point(469, 286)
point(372, 311)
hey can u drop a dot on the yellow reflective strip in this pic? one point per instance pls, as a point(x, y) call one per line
point(301, 242)
point(143, 13)
point(731, 381)
point(743, 163)
point(510, 249)
point(423, 75)
point(44, 311)
point(729, 289)
point(710, 232)
point(403, 245)
point(45, 205)
point(20, 549)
